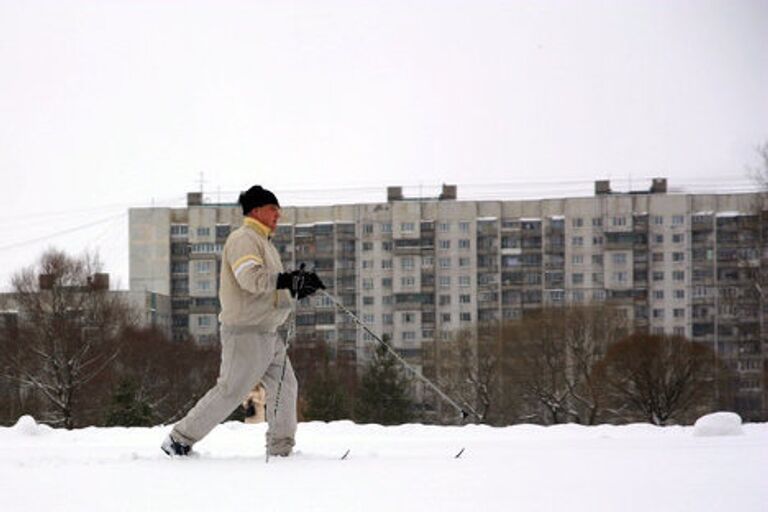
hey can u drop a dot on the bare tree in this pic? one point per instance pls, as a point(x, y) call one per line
point(589, 331)
point(67, 332)
point(469, 372)
point(549, 358)
point(538, 366)
point(657, 378)
point(168, 376)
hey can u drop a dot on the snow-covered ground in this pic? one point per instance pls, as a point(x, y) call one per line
point(411, 467)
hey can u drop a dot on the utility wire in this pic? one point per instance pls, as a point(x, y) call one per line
point(62, 232)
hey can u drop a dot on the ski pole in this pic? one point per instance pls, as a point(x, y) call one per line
point(465, 411)
point(287, 342)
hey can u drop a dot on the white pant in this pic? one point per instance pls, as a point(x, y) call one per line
point(247, 358)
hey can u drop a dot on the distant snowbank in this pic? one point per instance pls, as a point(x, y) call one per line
point(26, 425)
point(718, 424)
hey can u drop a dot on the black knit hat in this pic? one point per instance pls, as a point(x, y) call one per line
point(255, 197)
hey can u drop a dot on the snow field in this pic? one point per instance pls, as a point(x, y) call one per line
point(409, 467)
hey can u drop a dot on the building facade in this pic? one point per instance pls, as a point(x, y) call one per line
point(413, 269)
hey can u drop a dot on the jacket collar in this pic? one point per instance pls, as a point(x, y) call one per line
point(257, 226)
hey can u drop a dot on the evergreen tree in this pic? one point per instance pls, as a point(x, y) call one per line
point(327, 399)
point(383, 396)
point(127, 409)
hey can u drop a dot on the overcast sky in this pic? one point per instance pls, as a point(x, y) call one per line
point(110, 104)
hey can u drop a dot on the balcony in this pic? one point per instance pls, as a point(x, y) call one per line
point(619, 241)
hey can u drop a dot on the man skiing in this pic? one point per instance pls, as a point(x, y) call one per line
point(255, 297)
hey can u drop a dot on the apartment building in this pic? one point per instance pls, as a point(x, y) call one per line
point(417, 268)
point(149, 309)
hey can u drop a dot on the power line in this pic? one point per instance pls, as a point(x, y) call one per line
point(61, 233)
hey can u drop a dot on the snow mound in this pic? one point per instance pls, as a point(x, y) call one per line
point(26, 425)
point(718, 424)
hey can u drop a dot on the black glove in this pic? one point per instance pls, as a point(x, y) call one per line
point(310, 285)
point(299, 282)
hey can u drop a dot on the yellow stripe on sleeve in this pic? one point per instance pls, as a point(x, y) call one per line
point(250, 260)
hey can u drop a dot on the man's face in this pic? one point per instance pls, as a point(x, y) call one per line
point(268, 215)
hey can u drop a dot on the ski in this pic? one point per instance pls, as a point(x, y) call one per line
point(344, 457)
point(458, 454)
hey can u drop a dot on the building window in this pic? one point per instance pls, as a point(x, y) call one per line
point(597, 222)
point(597, 259)
point(204, 267)
point(368, 300)
point(619, 258)
point(444, 227)
point(577, 222)
point(658, 294)
point(620, 277)
point(464, 227)
point(464, 262)
point(203, 232)
point(444, 244)
point(444, 262)
point(465, 317)
point(464, 243)
point(556, 295)
point(577, 279)
point(409, 335)
point(658, 220)
point(406, 263)
point(619, 221)
point(445, 300)
point(678, 238)
point(597, 240)
point(386, 264)
point(179, 230)
point(657, 257)
point(367, 283)
point(658, 276)
point(577, 259)
point(464, 281)
point(368, 318)
point(367, 264)
point(386, 319)
point(445, 281)
point(680, 294)
point(465, 298)
point(678, 313)
point(678, 256)
point(367, 229)
point(386, 227)
point(678, 275)
point(181, 267)
point(658, 314)
point(408, 281)
point(408, 318)
point(386, 246)
point(445, 317)
point(678, 220)
point(407, 227)
point(386, 282)
point(367, 246)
